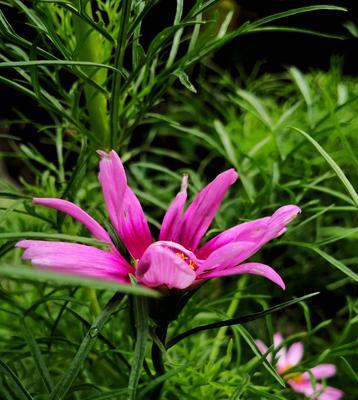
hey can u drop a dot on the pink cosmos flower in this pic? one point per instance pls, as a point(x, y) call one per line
point(301, 383)
point(176, 260)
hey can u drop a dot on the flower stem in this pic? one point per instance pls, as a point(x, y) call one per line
point(92, 297)
point(118, 63)
point(90, 48)
point(65, 383)
point(230, 313)
point(141, 325)
point(157, 358)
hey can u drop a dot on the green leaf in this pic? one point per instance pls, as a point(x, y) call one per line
point(66, 5)
point(49, 236)
point(348, 186)
point(30, 63)
point(184, 80)
point(141, 323)
point(296, 30)
point(160, 379)
point(257, 107)
point(37, 356)
point(15, 383)
point(338, 264)
point(78, 173)
point(302, 85)
point(178, 34)
point(251, 342)
point(231, 154)
point(64, 385)
point(349, 369)
point(295, 11)
point(32, 274)
point(238, 320)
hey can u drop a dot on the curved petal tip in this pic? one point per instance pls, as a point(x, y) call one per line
point(232, 174)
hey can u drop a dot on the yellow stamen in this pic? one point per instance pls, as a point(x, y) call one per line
point(293, 376)
point(191, 263)
point(181, 255)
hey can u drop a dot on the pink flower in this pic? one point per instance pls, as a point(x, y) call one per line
point(175, 261)
point(301, 383)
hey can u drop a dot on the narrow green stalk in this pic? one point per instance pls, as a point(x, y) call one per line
point(141, 319)
point(178, 34)
point(65, 383)
point(90, 48)
point(118, 63)
point(230, 313)
point(92, 297)
point(157, 358)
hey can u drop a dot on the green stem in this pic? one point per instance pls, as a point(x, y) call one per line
point(230, 313)
point(90, 48)
point(64, 385)
point(92, 297)
point(142, 326)
point(157, 358)
point(118, 63)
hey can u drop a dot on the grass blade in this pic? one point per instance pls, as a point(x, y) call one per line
point(11, 272)
point(338, 264)
point(302, 85)
point(238, 320)
point(141, 322)
point(251, 342)
point(88, 342)
point(16, 385)
point(30, 63)
point(295, 11)
point(37, 356)
point(336, 168)
point(55, 236)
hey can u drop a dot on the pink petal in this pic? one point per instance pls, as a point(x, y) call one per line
point(263, 349)
point(321, 371)
point(160, 266)
point(172, 220)
point(330, 393)
point(304, 387)
point(294, 353)
point(248, 268)
point(259, 231)
point(228, 256)
point(251, 231)
point(281, 354)
point(133, 226)
point(261, 346)
point(112, 178)
point(75, 259)
point(279, 220)
point(277, 339)
point(77, 213)
point(317, 392)
point(202, 210)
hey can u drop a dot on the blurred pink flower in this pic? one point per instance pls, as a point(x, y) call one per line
point(176, 260)
point(301, 383)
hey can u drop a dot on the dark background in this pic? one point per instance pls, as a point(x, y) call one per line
point(276, 51)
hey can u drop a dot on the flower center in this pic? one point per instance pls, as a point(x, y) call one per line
point(191, 264)
point(293, 376)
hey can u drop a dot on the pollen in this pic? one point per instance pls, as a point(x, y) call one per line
point(191, 264)
point(294, 376)
point(181, 255)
